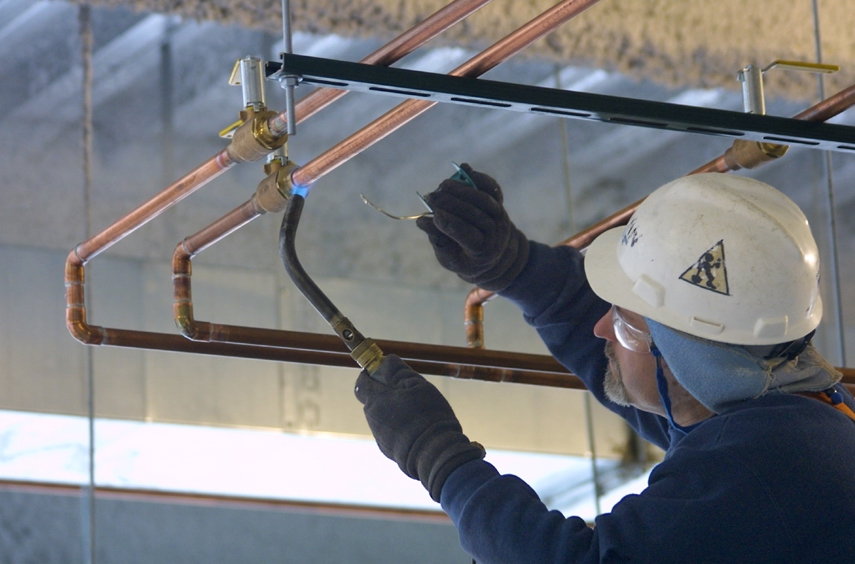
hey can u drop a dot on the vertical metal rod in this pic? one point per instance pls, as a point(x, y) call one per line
point(167, 107)
point(86, 46)
point(832, 220)
point(595, 472)
point(565, 160)
point(568, 187)
point(290, 81)
point(287, 46)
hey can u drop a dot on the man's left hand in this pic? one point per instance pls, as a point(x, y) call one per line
point(414, 424)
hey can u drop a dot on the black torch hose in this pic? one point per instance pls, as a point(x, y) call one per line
point(288, 253)
point(363, 350)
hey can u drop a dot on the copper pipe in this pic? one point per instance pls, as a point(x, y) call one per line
point(718, 164)
point(207, 171)
point(473, 309)
point(182, 302)
point(405, 112)
point(169, 196)
point(327, 349)
point(227, 224)
point(473, 316)
point(317, 353)
point(75, 275)
point(393, 51)
point(830, 107)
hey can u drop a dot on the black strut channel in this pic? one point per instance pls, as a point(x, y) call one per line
point(363, 350)
point(564, 103)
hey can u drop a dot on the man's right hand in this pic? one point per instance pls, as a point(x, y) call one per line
point(471, 233)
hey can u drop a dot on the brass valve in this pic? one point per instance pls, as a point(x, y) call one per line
point(751, 154)
point(273, 192)
point(251, 136)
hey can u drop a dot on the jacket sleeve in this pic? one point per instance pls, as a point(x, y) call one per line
point(500, 518)
point(555, 299)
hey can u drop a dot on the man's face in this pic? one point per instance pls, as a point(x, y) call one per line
point(631, 376)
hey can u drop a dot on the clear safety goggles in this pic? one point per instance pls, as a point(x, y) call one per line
point(628, 335)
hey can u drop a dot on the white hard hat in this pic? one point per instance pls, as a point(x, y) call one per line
point(722, 257)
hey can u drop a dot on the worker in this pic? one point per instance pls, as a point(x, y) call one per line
point(694, 323)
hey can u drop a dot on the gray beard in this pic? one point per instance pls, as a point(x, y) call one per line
point(613, 382)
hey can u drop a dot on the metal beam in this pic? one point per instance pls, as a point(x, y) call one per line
point(561, 103)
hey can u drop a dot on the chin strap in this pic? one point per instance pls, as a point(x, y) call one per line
point(662, 386)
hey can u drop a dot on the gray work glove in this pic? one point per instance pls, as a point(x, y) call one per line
point(414, 425)
point(471, 233)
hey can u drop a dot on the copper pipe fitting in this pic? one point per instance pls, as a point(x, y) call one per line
point(254, 140)
point(752, 154)
point(75, 303)
point(405, 112)
point(182, 269)
point(473, 309)
point(273, 192)
point(396, 49)
point(473, 316)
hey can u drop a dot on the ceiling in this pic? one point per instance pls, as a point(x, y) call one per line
point(688, 44)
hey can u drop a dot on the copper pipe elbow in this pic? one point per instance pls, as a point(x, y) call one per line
point(182, 300)
point(75, 303)
point(473, 316)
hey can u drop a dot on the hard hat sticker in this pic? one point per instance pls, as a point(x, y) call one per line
point(709, 272)
point(630, 234)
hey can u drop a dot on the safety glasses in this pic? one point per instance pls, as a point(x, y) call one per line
point(628, 335)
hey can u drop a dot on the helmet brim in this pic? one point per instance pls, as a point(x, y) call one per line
point(605, 275)
point(610, 282)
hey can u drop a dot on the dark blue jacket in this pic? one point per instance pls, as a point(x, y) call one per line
point(771, 480)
